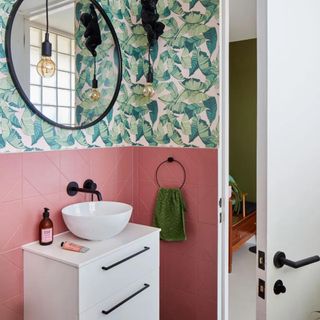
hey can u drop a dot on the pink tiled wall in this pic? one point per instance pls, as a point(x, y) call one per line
point(31, 181)
point(188, 269)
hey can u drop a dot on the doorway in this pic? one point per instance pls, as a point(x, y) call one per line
point(242, 159)
point(240, 76)
point(287, 180)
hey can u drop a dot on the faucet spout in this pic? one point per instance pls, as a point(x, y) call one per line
point(98, 194)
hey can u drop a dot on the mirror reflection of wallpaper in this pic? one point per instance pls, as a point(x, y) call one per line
point(88, 110)
point(183, 112)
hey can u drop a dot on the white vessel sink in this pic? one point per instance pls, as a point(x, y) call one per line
point(97, 220)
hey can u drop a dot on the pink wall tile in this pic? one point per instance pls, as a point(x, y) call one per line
point(11, 223)
point(179, 305)
point(32, 181)
point(15, 305)
point(37, 180)
point(15, 257)
point(11, 177)
point(103, 169)
point(205, 309)
point(206, 235)
point(10, 279)
point(206, 280)
point(183, 275)
point(74, 166)
point(188, 269)
point(9, 314)
point(40, 173)
point(124, 164)
point(208, 198)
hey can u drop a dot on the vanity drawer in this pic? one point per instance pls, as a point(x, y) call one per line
point(111, 274)
point(138, 301)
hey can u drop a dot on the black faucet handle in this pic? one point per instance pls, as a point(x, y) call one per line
point(72, 189)
point(90, 185)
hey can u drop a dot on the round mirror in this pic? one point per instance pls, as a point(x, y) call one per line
point(65, 60)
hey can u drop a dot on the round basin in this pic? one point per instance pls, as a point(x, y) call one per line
point(97, 220)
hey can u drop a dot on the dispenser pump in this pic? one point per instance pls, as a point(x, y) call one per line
point(46, 213)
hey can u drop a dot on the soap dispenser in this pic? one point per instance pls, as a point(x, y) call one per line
point(46, 229)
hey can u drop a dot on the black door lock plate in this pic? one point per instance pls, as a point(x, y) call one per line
point(279, 287)
point(261, 260)
point(262, 289)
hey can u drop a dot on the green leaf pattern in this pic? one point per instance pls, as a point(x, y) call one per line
point(184, 110)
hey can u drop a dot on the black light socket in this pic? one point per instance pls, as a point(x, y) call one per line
point(46, 47)
point(94, 83)
point(149, 77)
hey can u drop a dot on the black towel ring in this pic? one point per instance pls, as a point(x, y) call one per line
point(170, 160)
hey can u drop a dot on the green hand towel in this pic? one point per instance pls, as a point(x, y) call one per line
point(169, 215)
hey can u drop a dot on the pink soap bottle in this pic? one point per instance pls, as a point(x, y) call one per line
point(46, 229)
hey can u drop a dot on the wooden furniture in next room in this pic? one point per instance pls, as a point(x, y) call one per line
point(242, 227)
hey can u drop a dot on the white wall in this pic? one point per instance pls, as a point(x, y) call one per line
point(20, 52)
point(243, 20)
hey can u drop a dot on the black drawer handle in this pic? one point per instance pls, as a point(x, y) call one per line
point(126, 259)
point(146, 286)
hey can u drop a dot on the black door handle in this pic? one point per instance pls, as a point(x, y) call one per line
point(280, 260)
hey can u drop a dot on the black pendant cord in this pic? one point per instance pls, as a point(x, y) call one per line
point(149, 56)
point(47, 14)
point(150, 71)
point(46, 45)
point(94, 81)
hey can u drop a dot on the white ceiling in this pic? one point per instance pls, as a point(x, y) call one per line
point(63, 20)
point(61, 13)
point(28, 6)
point(243, 19)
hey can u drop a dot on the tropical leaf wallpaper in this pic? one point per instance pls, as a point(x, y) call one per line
point(183, 112)
point(88, 110)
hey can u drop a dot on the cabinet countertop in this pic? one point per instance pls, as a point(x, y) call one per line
point(97, 250)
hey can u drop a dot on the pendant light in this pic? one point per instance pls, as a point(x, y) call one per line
point(93, 40)
point(46, 67)
point(154, 29)
point(95, 94)
point(148, 90)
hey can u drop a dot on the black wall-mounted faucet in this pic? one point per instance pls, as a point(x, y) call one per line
point(88, 187)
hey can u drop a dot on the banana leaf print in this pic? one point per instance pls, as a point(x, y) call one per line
point(184, 110)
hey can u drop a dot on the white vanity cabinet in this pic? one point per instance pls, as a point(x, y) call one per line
point(117, 279)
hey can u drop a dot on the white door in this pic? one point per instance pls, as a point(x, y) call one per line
point(289, 156)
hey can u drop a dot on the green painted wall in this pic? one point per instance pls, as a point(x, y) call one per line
point(243, 114)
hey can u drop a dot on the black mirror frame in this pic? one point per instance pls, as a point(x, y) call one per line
point(26, 98)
